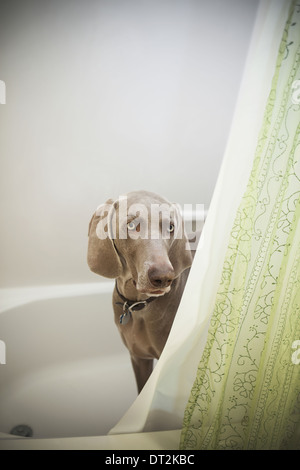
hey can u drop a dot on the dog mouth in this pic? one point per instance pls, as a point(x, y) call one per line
point(155, 293)
point(152, 292)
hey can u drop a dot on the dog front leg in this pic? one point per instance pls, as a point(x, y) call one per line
point(142, 370)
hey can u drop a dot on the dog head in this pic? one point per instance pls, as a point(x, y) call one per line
point(139, 237)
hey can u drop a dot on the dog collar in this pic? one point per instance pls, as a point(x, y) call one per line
point(130, 306)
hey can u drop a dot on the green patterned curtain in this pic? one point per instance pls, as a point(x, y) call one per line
point(246, 394)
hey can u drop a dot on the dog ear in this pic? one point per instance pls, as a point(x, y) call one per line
point(102, 256)
point(180, 253)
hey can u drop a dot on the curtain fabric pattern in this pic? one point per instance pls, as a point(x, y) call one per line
point(246, 394)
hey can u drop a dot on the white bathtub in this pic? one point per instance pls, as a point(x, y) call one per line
point(63, 368)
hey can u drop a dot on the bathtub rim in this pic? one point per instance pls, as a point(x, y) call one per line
point(13, 297)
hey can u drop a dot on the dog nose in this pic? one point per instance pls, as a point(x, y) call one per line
point(161, 277)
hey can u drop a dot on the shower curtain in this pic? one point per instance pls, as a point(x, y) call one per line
point(229, 376)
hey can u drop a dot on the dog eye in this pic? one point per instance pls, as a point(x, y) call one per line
point(131, 226)
point(171, 228)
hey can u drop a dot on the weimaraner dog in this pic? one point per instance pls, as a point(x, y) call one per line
point(139, 240)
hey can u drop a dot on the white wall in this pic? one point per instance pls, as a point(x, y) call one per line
point(103, 97)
